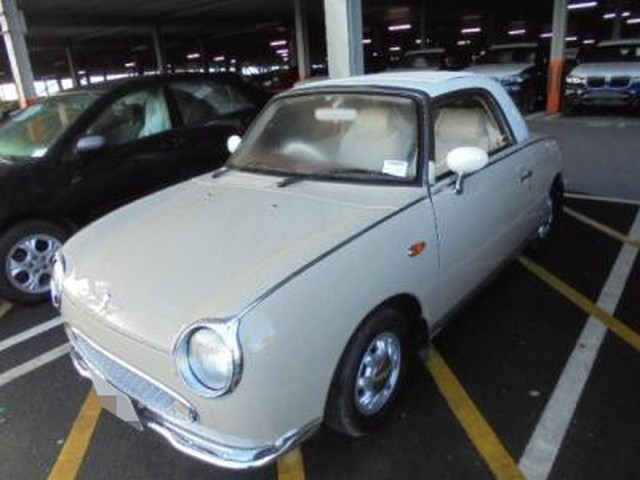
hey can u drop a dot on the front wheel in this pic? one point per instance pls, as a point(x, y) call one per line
point(26, 253)
point(553, 211)
point(370, 374)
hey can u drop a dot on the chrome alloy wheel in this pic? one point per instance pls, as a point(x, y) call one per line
point(378, 373)
point(29, 264)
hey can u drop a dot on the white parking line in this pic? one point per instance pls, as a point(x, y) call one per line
point(34, 363)
point(27, 334)
point(541, 452)
point(597, 198)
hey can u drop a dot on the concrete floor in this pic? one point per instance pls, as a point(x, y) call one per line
point(507, 348)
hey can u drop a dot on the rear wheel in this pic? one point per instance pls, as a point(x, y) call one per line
point(370, 374)
point(553, 211)
point(26, 253)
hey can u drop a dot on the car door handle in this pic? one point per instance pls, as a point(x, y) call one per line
point(526, 176)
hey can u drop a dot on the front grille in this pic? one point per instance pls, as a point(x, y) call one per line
point(133, 384)
point(595, 82)
point(620, 82)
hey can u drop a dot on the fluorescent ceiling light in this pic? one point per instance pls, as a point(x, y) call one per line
point(589, 41)
point(128, 65)
point(462, 43)
point(396, 28)
point(219, 58)
point(193, 56)
point(278, 43)
point(366, 41)
point(470, 30)
point(546, 35)
point(394, 49)
point(283, 51)
point(517, 31)
point(609, 16)
point(582, 5)
point(633, 21)
point(571, 39)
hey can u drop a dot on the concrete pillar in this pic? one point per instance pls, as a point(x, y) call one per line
point(14, 30)
point(616, 32)
point(343, 25)
point(302, 39)
point(158, 50)
point(557, 57)
point(73, 71)
point(422, 12)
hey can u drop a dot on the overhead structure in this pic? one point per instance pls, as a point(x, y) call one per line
point(343, 24)
point(14, 29)
point(302, 39)
point(557, 57)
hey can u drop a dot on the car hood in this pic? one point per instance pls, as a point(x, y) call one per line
point(611, 69)
point(211, 247)
point(499, 70)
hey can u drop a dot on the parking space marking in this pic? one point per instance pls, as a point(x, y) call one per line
point(33, 364)
point(291, 466)
point(76, 445)
point(5, 307)
point(477, 428)
point(603, 228)
point(593, 309)
point(597, 198)
point(27, 334)
point(543, 447)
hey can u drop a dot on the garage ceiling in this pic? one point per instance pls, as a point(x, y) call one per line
point(108, 33)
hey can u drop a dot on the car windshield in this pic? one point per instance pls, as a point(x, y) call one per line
point(334, 136)
point(30, 134)
point(612, 53)
point(510, 55)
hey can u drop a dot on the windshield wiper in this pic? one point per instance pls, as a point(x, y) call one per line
point(218, 173)
point(292, 179)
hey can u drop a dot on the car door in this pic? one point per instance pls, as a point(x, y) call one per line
point(479, 227)
point(136, 132)
point(209, 111)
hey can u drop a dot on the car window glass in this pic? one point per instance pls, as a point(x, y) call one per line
point(202, 102)
point(32, 132)
point(465, 121)
point(131, 117)
point(349, 136)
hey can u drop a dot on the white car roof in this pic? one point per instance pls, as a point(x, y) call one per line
point(434, 84)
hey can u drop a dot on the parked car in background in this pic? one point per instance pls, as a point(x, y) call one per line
point(236, 312)
point(521, 68)
point(435, 58)
point(606, 75)
point(80, 153)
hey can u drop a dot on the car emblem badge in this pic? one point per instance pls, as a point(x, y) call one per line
point(105, 302)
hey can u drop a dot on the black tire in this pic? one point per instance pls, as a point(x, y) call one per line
point(15, 286)
point(344, 413)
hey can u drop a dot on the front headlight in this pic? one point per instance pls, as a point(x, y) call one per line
point(209, 357)
point(57, 278)
point(512, 79)
point(573, 80)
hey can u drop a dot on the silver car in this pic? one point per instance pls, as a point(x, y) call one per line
point(235, 313)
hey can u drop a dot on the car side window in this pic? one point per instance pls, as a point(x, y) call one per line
point(131, 117)
point(202, 102)
point(466, 121)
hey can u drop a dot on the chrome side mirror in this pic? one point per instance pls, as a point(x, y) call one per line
point(464, 161)
point(233, 142)
point(90, 143)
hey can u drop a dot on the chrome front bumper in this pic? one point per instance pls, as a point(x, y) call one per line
point(183, 439)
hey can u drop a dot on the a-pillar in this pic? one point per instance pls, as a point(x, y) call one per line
point(14, 29)
point(302, 39)
point(557, 57)
point(343, 25)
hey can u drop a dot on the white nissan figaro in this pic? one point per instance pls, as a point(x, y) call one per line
point(237, 312)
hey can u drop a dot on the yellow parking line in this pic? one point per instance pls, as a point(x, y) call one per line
point(5, 307)
point(612, 323)
point(291, 466)
point(613, 233)
point(478, 429)
point(75, 447)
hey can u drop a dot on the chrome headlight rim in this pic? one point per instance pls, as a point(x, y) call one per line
point(513, 80)
point(57, 279)
point(227, 329)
